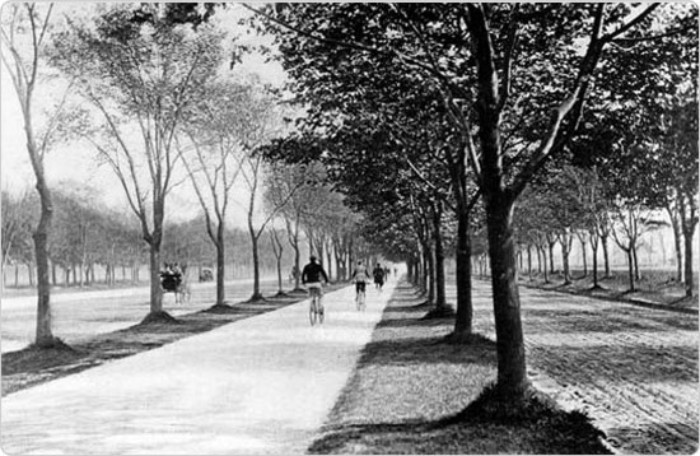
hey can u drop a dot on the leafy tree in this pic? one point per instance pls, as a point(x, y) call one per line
point(253, 171)
point(479, 56)
point(220, 127)
point(25, 30)
point(141, 71)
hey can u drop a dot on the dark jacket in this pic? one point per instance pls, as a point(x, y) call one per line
point(312, 273)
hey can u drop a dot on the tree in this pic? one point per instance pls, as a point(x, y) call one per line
point(17, 221)
point(141, 71)
point(253, 170)
point(503, 72)
point(24, 32)
point(278, 250)
point(290, 193)
point(219, 128)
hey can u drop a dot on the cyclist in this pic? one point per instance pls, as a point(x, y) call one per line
point(378, 274)
point(361, 277)
point(311, 276)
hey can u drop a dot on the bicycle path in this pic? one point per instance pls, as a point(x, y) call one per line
point(258, 386)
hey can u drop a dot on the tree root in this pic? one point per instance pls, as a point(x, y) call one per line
point(445, 311)
point(221, 308)
point(161, 317)
point(54, 344)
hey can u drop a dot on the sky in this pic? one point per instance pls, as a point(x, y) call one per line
point(74, 164)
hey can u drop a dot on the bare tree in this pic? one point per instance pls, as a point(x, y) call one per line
point(220, 129)
point(24, 31)
point(142, 82)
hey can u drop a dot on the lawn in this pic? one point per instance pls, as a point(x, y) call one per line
point(654, 287)
point(413, 393)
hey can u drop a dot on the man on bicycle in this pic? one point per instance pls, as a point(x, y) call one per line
point(361, 276)
point(378, 274)
point(311, 277)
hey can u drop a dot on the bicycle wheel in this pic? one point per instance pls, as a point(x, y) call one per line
point(321, 313)
point(312, 312)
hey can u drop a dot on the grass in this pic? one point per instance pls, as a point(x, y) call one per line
point(32, 366)
point(413, 393)
point(656, 287)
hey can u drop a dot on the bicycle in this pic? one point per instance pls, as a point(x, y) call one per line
point(360, 296)
point(316, 311)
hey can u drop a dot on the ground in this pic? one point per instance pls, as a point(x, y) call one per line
point(633, 370)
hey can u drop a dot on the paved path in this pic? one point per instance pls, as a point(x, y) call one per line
point(259, 386)
point(80, 315)
point(634, 370)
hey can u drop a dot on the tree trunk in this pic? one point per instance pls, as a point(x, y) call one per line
point(329, 259)
point(689, 222)
point(606, 255)
point(30, 270)
point(439, 270)
point(465, 308)
point(551, 257)
point(512, 374)
point(675, 225)
point(689, 281)
point(582, 241)
point(636, 263)
point(220, 264)
point(256, 268)
point(44, 334)
point(630, 268)
point(16, 275)
point(520, 260)
point(565, 250)
point(156, 292)
point(544, 264)
point(280, 285)
point(297, 258)
point(594, 247)
point(529, 261)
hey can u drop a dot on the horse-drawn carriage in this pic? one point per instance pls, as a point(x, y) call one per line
point(172, 281)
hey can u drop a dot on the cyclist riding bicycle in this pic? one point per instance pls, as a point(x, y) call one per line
point(311, 276)
point(361, 276)
point(378, 274)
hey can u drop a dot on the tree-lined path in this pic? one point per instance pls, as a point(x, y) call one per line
point(634, 370)
point(261, 385)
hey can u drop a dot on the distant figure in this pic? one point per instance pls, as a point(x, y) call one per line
point(293, 274)
point(378, 274)
point(360, 275)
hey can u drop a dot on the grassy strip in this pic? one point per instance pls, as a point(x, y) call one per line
point(658, 291)
point(32, 366)
point(412, 393)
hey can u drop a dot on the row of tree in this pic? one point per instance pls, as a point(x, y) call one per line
point(435, 119)
point(86, 237)
point(147, 89)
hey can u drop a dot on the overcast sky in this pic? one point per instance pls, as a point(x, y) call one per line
point(77, 164)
